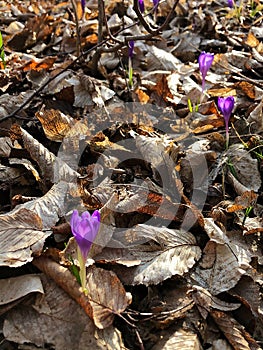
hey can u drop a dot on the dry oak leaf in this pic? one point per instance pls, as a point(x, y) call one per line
point(21, 235)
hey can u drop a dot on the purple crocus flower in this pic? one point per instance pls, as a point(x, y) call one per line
point(141, 5)
point(226, 106)
point(131, 48)
point(83, 4)
point(85, 228)
point(205, 61)
point(230, 3)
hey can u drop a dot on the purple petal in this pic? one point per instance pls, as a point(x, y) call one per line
point(85, 229)
point(141, 5)
point(83, 4)
point(226, 106)
point(205, 61)
point(131, 47)
point(230, 3)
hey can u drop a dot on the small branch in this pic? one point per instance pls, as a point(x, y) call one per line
point(100, 20)
point(77, 27)
point(141, 18)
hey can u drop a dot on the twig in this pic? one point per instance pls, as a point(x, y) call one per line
point(77, 26)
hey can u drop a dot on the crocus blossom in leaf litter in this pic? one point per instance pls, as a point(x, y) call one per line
point(226, 106)
point(85, 228)
point(205, 61)
point(230, 3)
point(141, 5)
point(83, 4)
point(131, 48)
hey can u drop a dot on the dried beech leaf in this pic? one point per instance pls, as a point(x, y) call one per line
point(234, 332)
point(160, 59)
point(231, 263)
point(19, 233)
point(56, 124)
point(206, 302)
point(15, 288)
point(5, 146)
point(179, 340)
point(255, 119)
point(52, 168)
point(246, 167)
point(107, 296)
point(49, 207)
point(214, 232)
point(174, 253)
point(57, 320)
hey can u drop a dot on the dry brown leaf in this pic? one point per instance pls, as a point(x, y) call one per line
point(246, 167)
point(231, 262)
point(38, 65)
point(247, 199)
point(21, 236)
point(107, 296)
point(15, 288)
point(206, 302)
point(251, 40)
point(255, 119)
point(247, 88)
point(53, 169)
point(57, 320)
point(5, 146)
point(49, 207)
point(234, 332)
point(56, 124)
point(173, 252)
point(184, 340)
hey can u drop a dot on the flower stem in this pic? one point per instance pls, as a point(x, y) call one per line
point(82, 271)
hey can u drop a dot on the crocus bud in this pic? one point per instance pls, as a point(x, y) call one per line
point(141, 5)
point(230, 3)
point(85, 228)
point(205, 61)
point(226, 106)
point(131, 47)
point(83, 3)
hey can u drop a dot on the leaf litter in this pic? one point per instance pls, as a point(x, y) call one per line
point(177, 262)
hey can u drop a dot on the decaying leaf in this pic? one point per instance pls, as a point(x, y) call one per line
point(21, 236)
point(107, 296)
point(173, 252)
point(234, 332)
point(15, 288)
point(179, 340)
point(245, 167)
point(49, 207)
point(56, 124)
point(57, 320)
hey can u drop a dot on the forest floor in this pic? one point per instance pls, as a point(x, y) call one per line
point(108, 106)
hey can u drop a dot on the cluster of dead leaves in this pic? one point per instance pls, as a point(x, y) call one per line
point(177, 262)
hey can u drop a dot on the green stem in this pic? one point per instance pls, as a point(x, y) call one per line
point(82, 271)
